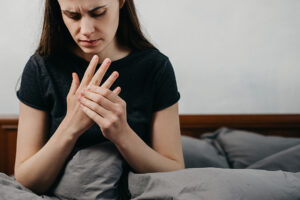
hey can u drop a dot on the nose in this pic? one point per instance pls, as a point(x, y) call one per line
point(87, 27)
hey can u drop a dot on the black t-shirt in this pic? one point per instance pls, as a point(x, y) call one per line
point(146, 78)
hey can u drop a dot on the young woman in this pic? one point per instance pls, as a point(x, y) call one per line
point(70, 94)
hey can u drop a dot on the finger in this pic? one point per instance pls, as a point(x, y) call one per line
point(99, 99)
point(89, 71)
point(107, 93)
point(117, 90)
point(95, 107)
point(97, 78)
point(75, 84)
point(111, 79)
point(93, 115)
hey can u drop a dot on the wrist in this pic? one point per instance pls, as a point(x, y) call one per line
point(124, 136)
point(67, 130)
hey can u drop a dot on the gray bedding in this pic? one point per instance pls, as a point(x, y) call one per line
point(10, 189)
point(92, 173)
point(226, 164)
point(216, 183)
point(243, 149)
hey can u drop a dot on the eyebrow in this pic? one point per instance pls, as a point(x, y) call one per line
point(90, 11)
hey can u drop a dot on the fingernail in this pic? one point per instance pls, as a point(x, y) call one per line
point(116, 74)
point(107, 60)
point(89, 87)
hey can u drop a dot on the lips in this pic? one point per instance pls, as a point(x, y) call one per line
point(89, 43)
point(88, 40)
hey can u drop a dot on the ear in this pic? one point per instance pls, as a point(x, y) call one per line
point(122, 2)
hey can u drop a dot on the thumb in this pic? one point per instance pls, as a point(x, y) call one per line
point(75, 84)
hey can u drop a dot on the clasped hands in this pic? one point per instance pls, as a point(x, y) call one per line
point(98, 102)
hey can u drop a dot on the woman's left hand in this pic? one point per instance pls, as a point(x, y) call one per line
point(107, 109)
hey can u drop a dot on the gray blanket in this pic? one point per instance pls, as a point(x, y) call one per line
point(227, 164)
point(10, 189)
point(216, 183)
point(92, 173)
point(247, 157)
point(205, 183)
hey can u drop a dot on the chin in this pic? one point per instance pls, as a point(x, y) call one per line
point(94, 50)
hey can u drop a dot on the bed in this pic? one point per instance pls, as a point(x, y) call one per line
point(226, 157)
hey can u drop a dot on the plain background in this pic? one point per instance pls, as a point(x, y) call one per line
point(229, 57)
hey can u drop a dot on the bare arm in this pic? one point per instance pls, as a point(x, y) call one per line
point(38, 164)
point(166, 152)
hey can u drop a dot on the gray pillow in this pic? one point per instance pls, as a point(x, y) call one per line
point(215, 183)
point(92, 173)
point(244, 148)
point(201, 153)
point(287, 160)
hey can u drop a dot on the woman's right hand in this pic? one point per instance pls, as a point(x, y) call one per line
point(75, 118)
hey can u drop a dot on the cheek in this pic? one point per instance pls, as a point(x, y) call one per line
point(111, 24)
point(116, 21)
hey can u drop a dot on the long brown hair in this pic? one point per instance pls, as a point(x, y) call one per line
point(56, 37)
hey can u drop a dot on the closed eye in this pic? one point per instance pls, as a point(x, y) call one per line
point(98, 15)
point(75, 16)
point(95, 12)
point(72, 15)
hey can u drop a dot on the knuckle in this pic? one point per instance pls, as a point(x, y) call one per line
point(119, 110)
point(104, 91)
point(89, 75)
point(114, 120)
point(99, 99)
point(96, 81)
point(119, 113)
point(107, 125)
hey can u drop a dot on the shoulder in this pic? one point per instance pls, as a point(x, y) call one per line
point(152, 60)
point(153, 54)
point(36, 59)
point(35, 71)
point(41, 68)
point(35, 62)
point(40, 64)
point(33, 66)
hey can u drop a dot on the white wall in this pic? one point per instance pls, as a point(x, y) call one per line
point(20, 23)
point(234, 56)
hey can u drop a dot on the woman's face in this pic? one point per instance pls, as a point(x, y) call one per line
point(92, 23)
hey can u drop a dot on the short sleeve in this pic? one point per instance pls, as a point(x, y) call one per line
point(165, 89)
point(30, 91)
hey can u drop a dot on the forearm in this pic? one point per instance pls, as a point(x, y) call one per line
point(40, 171)
point(142, 158)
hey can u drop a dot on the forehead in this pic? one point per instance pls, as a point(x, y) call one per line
point(82, 5)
